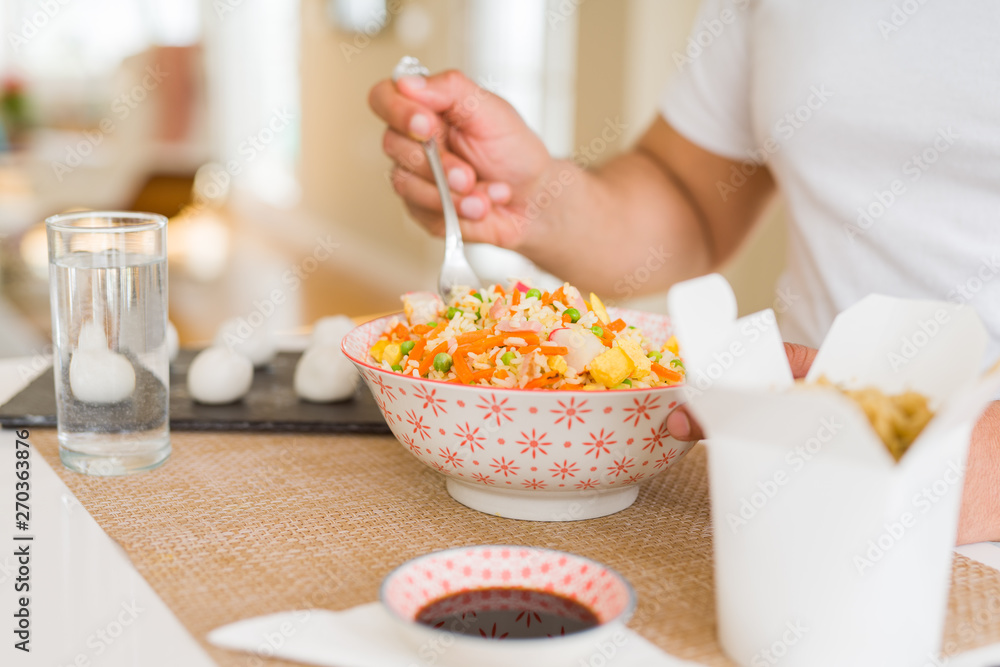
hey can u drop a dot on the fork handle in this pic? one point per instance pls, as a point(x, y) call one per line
point(452, 231)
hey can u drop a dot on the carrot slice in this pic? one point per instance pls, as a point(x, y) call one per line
point(487, 343)
point(515, 298)
point(461, 366)
point(554, 349)
point(502, 374)
point(428, 359)
point(471, 336)
point(484, 374)
point(538, 382)
point(667, 374)
point(617, 325)
point(418, 349)
point(421, 329)
point(529, 337)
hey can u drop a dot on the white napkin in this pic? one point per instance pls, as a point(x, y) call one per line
point(365, 636)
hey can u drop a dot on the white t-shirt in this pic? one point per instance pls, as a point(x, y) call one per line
point(881, 124)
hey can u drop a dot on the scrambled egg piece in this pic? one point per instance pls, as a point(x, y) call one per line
point(672, 346)
point(392, 353)
point(558, 364)
point(611, 367)
point(377, 349)
point(598, 307)
point(643, 364)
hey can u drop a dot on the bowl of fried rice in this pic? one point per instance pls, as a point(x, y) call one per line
point(536, 405)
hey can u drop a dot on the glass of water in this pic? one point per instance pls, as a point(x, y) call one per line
point(108, 289)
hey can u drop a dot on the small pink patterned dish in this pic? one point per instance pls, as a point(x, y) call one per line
point(514, 605)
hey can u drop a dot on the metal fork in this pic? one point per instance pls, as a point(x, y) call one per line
point(455, 269)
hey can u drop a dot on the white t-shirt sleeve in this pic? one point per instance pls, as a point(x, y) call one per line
point(708, 102)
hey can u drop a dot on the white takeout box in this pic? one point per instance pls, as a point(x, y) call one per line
point(828, 552)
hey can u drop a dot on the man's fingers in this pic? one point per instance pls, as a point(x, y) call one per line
point(417, 191)
point(424, 194)
point(410, 155)
point(800, 359)
point(450, 93)
point(403, 114)
point(682, 427)
point(433, 222)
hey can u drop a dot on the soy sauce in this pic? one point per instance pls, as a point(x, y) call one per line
point(507, 613)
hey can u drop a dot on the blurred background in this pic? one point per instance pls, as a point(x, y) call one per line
point(246, 123)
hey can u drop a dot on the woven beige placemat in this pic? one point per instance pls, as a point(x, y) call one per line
point(237, 525)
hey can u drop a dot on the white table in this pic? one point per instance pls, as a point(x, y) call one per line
point(84, 589)
point(89, 607)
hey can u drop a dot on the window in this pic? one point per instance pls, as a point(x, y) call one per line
point(61, 39)
point(252, 58)
point(525, 50)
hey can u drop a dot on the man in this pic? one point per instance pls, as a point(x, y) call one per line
point(879, 126)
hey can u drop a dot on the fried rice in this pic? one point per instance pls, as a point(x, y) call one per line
point(520, 337)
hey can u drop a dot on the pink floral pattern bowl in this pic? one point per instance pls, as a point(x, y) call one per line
point(533, 454)
point(496, 617)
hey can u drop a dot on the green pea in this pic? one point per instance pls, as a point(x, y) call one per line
point(533, 293)
point(574, 314)
point(397, 368)
point(627, 382)
point(507, 357)
point(442, 362)
point(655, 356)
point(432, 325)
point(406, 346)
point(598, 331)
point(477, 295)
point(452, 312)
point(677, 363)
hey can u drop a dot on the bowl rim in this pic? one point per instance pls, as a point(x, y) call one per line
point(627, 612)
point(558, 392)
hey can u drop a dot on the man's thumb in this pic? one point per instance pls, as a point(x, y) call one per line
point(450, 93)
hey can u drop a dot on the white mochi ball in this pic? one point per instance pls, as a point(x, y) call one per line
point(324, 375)
point(92, 337)
point(173, 342)
point(219, 375)
point(331, 330)
point(100, 376)
point(255, 343)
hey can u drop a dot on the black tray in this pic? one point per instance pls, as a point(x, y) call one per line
point(270, 406)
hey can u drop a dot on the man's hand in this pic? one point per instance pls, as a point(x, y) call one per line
point(493, 161)
point(682, 427)
point(594, 227)
point(980, 519)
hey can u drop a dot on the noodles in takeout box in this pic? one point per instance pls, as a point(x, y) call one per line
point(817, 525)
